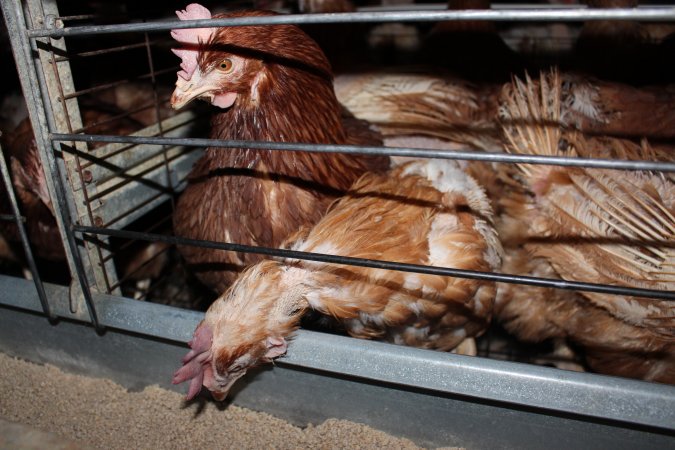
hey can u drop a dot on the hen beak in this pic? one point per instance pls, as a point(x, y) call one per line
point(188, 90)
point(200, 87)
point(219, 393)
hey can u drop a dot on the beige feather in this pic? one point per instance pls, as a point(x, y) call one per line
point(414, 102)
point(603, 226)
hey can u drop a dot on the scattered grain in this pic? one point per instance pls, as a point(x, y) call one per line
point(101, 414)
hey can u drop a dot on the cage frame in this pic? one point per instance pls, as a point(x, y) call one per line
point(634, 404)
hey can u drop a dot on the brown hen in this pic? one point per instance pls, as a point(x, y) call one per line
point(33, 198)
point(591, 225)
point(424, 212)
point(28, 180)
point(274, 84)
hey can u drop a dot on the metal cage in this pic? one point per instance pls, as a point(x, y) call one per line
point(102, 185)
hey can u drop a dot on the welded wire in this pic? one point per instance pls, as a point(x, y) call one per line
point(11, 218)
point(130, 242)
point(103, 87)
point(548, 14)
point(78, 163)
point(117, 117)
point(375, 150)
point(524, 15)
point(144, 264)
point(389, 265)
point(133, 209)
point(103, 51)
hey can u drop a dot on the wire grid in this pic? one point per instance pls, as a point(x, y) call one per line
point(114, 172)
point(113, 284)
point(97, 187)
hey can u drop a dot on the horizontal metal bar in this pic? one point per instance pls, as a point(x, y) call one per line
point(103, 51)
point(377, 264)
point(443, 7)
point(130, 242)
point(77, 17)
point(11, 218)
point(144, 264)
point(116, 312)
point(580, 394)
point(573, 14)
point(391, 151)
point(103, 87)
point(488, 379)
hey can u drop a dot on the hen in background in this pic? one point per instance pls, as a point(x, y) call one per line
point(591, 225)
point(424, 212)
point(412, 107)
point(456, 112)
point(140, 101)
point(30, 187)
point(136, 263)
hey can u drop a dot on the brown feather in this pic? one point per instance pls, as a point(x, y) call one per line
point(425, 212)
point(258, 197)
point(592, 225)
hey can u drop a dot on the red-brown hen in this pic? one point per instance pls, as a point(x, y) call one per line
point(273, 83)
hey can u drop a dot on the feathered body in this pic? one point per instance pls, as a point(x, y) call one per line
point(30, 186)
point(33, 198)
point(609, 345)
point(592, 225)
point(425, 212)
point(604, 108)
point(284, 92)
point(413, 102)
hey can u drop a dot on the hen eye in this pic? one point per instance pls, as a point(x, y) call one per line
point(225, 65)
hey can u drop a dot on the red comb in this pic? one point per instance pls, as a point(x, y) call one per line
point(191, 37)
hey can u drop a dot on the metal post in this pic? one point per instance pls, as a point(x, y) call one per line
point(27, 74)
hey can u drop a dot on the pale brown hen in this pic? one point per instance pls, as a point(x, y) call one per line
point(591, 225)
point(424, 212)
point(437, 104)
point(425, 102)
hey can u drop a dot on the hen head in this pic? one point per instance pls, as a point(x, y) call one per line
point(245, 327)
point(235, 64)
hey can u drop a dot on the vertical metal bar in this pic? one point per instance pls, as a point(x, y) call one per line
point(24, 239)
point(55, 79)
point(27, 74)
point(78, 165)
point(159, 118)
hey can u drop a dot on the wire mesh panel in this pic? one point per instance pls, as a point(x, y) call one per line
point(116, 184)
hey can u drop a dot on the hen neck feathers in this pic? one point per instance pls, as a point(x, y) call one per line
point(260, 304)
point(292, 106)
